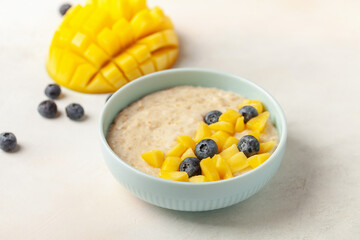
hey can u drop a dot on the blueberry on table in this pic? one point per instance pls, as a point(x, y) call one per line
point(191, 166)
point(248, 112)
point(7, 141)
point(75, 111)
point(64, 8)
point(249, 145)
point(206, 148)
point(47, 109)
point(53, 91)
point(212, 117)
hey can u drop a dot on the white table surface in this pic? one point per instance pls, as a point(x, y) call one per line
point(306, 53)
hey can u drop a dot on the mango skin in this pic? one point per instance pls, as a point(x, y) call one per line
point(99, 48)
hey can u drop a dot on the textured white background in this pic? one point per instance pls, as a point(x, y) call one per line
point(305, 52)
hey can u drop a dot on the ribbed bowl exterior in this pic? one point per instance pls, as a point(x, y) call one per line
point(191, 196)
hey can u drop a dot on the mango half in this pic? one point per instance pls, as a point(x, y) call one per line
point(101, 46)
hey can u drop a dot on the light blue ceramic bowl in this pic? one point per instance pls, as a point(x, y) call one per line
point(186, 196)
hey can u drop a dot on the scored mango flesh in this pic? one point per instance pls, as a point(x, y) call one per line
point(229, 161)
point(105, 44)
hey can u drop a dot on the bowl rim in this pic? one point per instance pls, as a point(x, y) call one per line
point(282, 138)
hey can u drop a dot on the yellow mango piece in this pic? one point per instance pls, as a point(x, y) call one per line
point(166, 24)
point(82, 73)
point(258, 123)
point(175, 176)
point(154, 158)
point(209, 170)
point(230, 116)
point(187, 141)
point(198, 178)
point(62, 37)
point(177, 151)
point(68, 63)
point(220, 137)
point(160, 58)
point(78, 19)
point(230, 141)
point(229, 152)
point(154, 41)
point(258, 159)
point(222, 167)
point(202, 132)
point(99, 84)
point(96, 22)
point(142, 23)
point(266, 147)
point(134, 74)
point(171, 164)
point(147, 67)
point(222, 126)
point(109, 41)
point(55, 55)
point(170, 38)
point(238, 162)
point(80, 42)
point(113, 75)
point(254, 103)
point(124, 31)
point(126, 63)
point(240, 125)
point(140, 52)
point(136, 6)
point(255, 134)
point(188, 153)
point(172, 55)
point(96, 56)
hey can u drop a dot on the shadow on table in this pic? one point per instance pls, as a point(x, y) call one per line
point(281, 200)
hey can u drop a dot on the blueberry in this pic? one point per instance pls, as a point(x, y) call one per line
point(249, 145)
point(75, 111)
point(248, 112)
point(64, 8)
point(107, 99)
point(47, 109)
point(212, 117)
point(206, 148)
point(53, 91)
point(191, 166)
point(7, 141)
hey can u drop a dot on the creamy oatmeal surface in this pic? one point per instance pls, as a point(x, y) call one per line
point(154, 121)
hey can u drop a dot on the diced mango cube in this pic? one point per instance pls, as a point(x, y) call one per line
point(254, 103)
point(177, 151)
point(187, 141)
point(113, 75)
point(147, 67)
point(202, 132)
point(140, 52)
point(229, 152)
point(258, 123)
point(154, 41)
point(258, 159)
point(96, 55)
point(171, 164)
point(160, 58)
point(240, 125)
point(198, 178)
point(222, 167)
point(84, 71)
point(188, 153)
point(126, 62)
point(266, 147)
point(221, 137)
point(238, 162)
point(255, 134)
point(174, 175)
point(230, 141)
point(109, 41)
point(222, 126)
point(80, 43)
point(123, 29)
point(154, 158)
point(209, 170)
point(230, 116)
point(170, 37)
point(99, 83)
